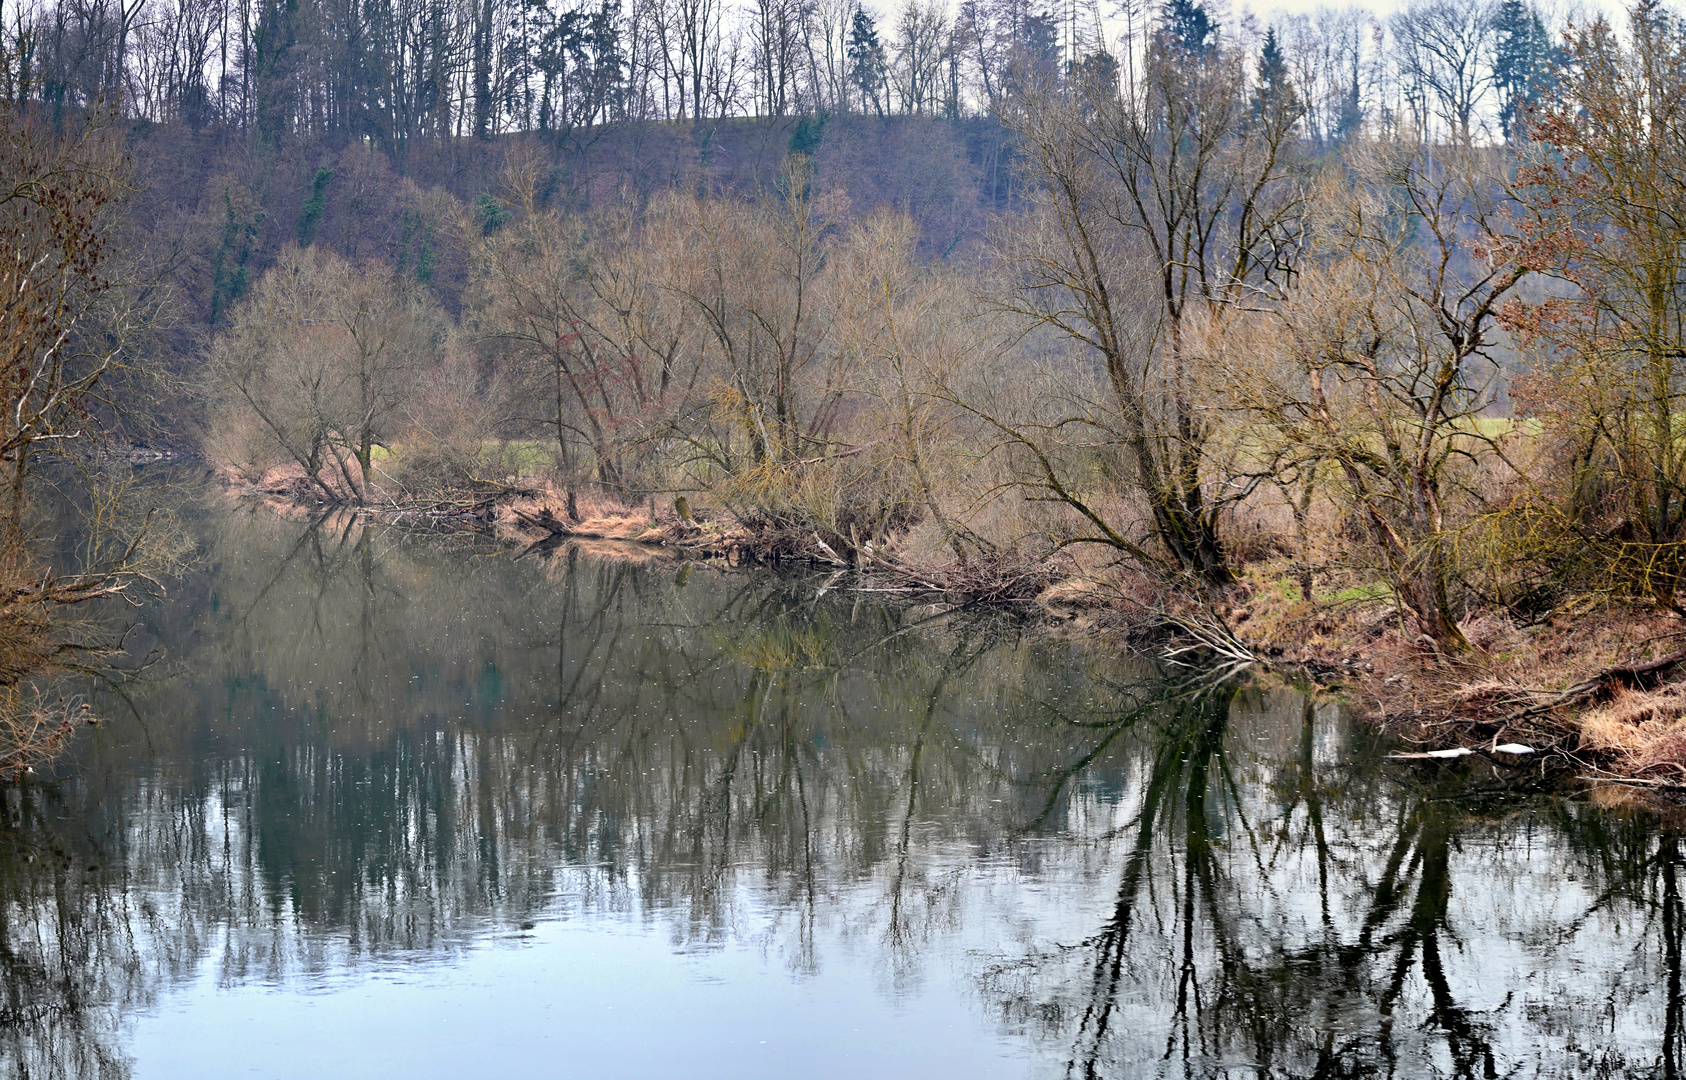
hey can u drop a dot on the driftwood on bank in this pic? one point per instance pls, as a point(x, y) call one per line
point(991, 576)
point(547, 520)
point(680, 533)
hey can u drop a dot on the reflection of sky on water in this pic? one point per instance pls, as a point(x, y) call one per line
point(404, 809)
point(577, 999)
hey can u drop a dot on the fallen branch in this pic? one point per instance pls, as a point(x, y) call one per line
point(1625, 674)
point(547, 520)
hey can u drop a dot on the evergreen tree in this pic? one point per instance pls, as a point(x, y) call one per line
point(867, 63)
point(1190, 29)
point(1350, 118)
point(1097, 75)
point(1039, 43)
point(1520, 50)
point(271, 64)
point(310, 214)
point(1276, 92)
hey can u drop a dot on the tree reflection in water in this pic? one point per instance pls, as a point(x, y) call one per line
point(1297, 914)
point(376, 745)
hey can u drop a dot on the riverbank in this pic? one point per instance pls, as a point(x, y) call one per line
point(531, 514)
point(1601, 685)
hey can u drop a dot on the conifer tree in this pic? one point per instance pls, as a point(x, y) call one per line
point(1520, 49)
point(1275, 90)
point(867, 63)
point(1189, 27)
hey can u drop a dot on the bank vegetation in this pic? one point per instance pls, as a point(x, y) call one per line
point(1392, 402)
point(76, 306)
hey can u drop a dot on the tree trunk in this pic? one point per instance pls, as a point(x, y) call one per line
point(365, 459)
point(1425, 594)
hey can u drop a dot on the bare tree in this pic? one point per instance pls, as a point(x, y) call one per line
point(780, 29)
point(828, 47)
point(1382, 365)
point(1444, 50)
point(1606, 201)
point(323, 354)
point(900, 324)
point(67, 320)
point(1179, 182)
point(580, 305)
point(753, 279)
point(921, 48)
point(1327, 59)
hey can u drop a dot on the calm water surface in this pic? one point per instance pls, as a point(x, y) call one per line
point(400, 805)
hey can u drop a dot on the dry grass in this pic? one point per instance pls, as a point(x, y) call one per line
point(607, 521)
point(599, 519)
point(1641, 730)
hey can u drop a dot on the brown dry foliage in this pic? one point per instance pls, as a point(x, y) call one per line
point(1643, 730)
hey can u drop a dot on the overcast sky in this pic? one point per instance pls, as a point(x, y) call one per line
point(1557, 8)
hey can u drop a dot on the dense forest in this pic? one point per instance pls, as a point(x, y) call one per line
point(1343, 339)
point(254, 124)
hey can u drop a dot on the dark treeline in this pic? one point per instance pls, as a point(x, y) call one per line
point(253, 125)
point(400, 74)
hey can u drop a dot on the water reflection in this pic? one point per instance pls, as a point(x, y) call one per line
point(378, 750)
point(1278, 913)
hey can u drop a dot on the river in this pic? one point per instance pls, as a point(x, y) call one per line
point(389, 803)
